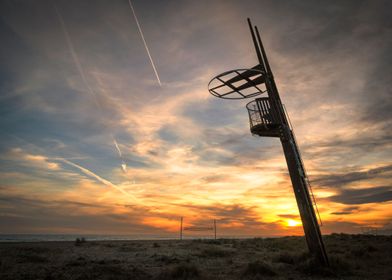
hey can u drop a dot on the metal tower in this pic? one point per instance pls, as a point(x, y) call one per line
point(268, 118)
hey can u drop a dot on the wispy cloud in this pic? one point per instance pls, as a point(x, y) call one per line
point(75, 58)
point(84, 78)
point(95, 176)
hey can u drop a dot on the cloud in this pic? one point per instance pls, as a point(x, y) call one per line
point(33, 160)
point(343, 179)
point(346, 211)
point(63, 216)
point(41, 161)
point(97, 177)
point(364, 195)
point(185, 151)
point(288, 216)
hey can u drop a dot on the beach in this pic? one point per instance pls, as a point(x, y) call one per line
point(350, 256)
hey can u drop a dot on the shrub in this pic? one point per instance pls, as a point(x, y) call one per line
point(166, 259)
point(181, 271)
point(291, 258)
point(80, 261)
point(32, 258)
point(215, 253)
point(80, 241)
point(337, 267)
point(211, 241)
point(259, 268)
point(360, 251)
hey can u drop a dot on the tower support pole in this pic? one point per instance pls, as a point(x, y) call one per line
point(308, 216)
point(280, 127)
point(293, 158)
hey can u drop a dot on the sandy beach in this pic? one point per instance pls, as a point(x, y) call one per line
point(351, 257)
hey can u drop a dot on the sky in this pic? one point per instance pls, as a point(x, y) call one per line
point(96, 140)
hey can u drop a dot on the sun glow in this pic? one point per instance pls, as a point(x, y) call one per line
point(293, 223)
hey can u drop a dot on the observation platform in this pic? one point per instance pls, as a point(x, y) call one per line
point(263, 121)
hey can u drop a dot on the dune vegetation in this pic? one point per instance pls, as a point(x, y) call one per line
point(350, 256)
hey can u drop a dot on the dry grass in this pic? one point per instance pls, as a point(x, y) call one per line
point(181, 271)
point(350, 256)
point(258, 269)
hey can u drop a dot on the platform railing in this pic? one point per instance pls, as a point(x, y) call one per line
point(260, 113)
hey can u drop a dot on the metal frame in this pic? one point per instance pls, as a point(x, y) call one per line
point(242, 75)
point(261, 113)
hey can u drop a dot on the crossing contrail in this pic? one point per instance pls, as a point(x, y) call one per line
point(76, 58)
point(117, 147)
point(81, 168)
point(95, 176)
point(79, 67)
point(123, 164)
point(145, 43)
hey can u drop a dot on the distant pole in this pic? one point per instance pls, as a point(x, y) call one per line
point(181, 228)
point(215, 228)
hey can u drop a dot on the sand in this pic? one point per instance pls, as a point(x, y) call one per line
point(351, 257)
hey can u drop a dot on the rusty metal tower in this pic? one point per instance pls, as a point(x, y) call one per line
point(268, 118)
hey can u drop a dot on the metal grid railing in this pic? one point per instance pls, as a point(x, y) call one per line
point(260, 113)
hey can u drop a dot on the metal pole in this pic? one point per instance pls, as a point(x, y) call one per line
point(294, 163)
point(255, 43)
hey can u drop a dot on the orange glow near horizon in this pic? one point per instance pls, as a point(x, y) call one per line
point(293, 223)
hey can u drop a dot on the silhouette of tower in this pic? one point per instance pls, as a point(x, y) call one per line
point(268, 118)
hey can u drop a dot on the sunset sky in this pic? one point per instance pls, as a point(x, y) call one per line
point(91, 143)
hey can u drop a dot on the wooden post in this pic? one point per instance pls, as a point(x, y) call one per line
point(181, 228)
point(215, 229)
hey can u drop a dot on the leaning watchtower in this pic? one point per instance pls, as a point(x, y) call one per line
point(268, 118)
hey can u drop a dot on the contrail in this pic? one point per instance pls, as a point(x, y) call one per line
point(117, 147)
point(95, 176)
point(81, 168)
point(123, 164)
point(103, 92)
point(76, 58)
point(82, 75)
point(145, 44)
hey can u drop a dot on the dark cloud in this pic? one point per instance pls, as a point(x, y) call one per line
point(339, 152)
point(361, 143)
point(341, 213)
point(340, 226)
point(289, 216)
point(363, 196)
point(342, 179)
point(346, 211)
point(59, 216)
point(29, 202)
point(225, 214)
